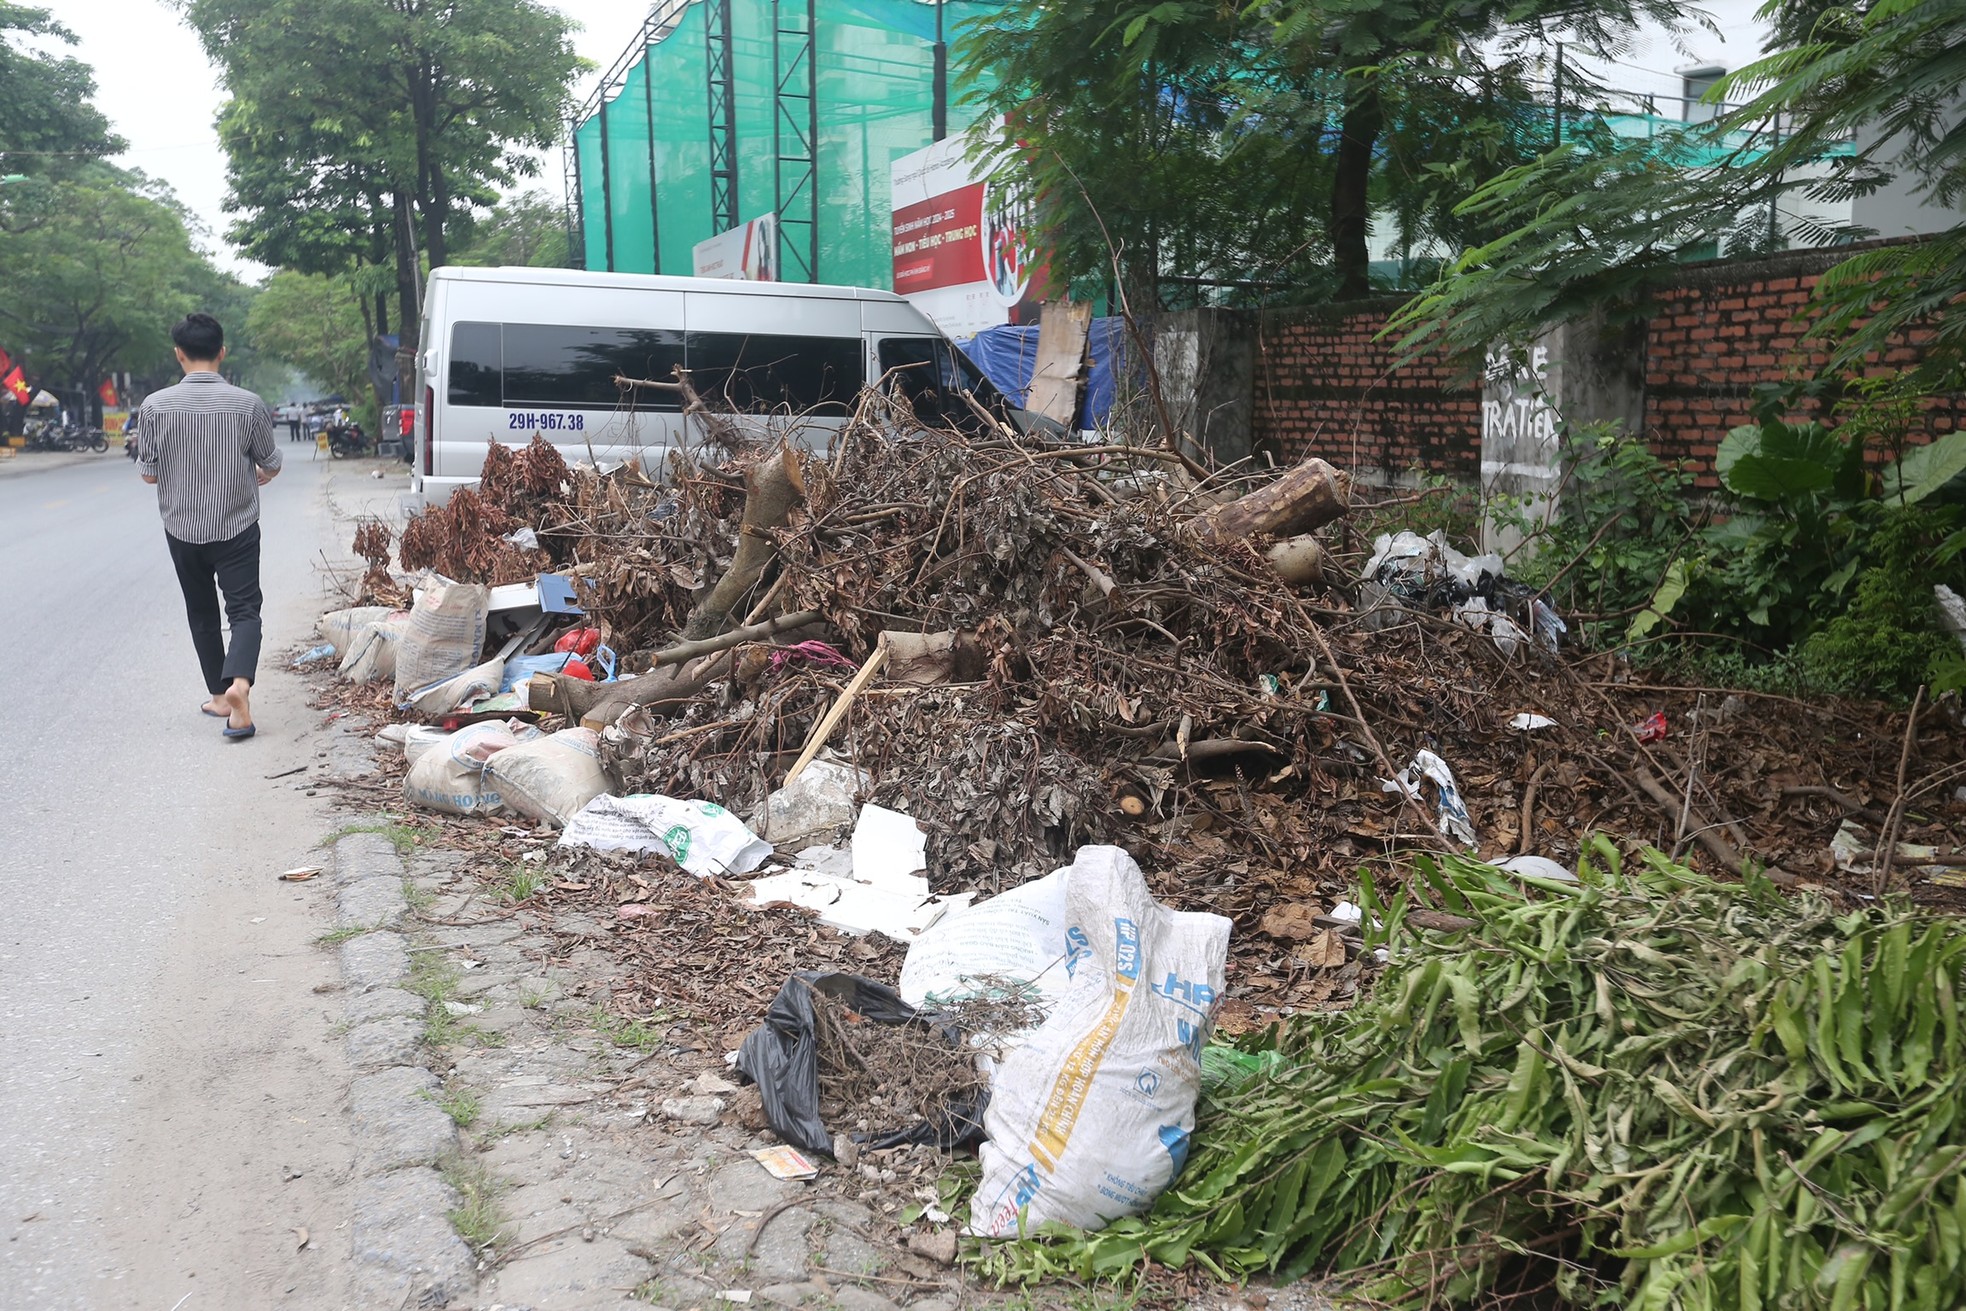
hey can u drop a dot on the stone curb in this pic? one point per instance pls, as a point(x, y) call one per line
point(406, 1253)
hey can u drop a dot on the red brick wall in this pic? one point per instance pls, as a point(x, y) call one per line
point(1728, 327)
point(1325, 386)
point(1324, 382)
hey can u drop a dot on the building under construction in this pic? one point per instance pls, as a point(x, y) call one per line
point(725, 111)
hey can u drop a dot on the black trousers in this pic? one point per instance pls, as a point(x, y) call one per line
point(205, 569)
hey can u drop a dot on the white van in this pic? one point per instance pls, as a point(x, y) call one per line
point(510, 353)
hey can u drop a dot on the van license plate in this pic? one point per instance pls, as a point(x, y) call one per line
point(545, 421)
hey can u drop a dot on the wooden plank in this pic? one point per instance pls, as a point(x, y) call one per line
point(826, 726)
point(1060, 367)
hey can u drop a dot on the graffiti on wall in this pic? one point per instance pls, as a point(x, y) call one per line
point(1519, 447)
point(1515, 405)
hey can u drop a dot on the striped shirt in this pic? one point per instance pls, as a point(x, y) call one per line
point(201, 440)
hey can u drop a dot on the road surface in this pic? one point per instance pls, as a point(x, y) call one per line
point(171, 1088)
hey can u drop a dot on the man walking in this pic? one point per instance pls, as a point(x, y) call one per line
point(208, 447)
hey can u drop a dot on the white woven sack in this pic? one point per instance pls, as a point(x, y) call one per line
point(1089, 1119)
point(445, 634)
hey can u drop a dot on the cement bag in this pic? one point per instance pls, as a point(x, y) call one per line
point(445, 633)
point(338, 628)
point(551, 780)
point(371, 655)
point(1017, 937)
point(1089, 1120)
point(452, 777)
point(701, 836)
point(473, 684)
point(418, 740)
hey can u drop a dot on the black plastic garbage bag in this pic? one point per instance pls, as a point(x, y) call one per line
point(781, 1056)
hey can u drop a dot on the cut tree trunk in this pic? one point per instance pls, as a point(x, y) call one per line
point(1060, 370)
point(1306, 497)
point(680, 672)
point(771, 488)
point(597, 705)
point(1299, 561)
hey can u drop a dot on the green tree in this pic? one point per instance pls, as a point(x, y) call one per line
point(96, 282)
point(362, 126)
point(313, 324)
point(47, 125)
point(1598, 222)
point(528, 231)
point(1261, 140)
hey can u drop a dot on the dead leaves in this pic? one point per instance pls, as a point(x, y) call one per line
point(1293, 921)
point(1326, 951)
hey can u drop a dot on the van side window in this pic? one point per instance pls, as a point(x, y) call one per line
point(564, 368)
point(547, 366)
point(476, 354)
point(754, 372)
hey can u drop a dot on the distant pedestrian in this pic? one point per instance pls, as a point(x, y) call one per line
point(292, 415)
point(208, 448)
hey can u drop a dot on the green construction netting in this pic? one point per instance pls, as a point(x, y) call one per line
point(875, 104)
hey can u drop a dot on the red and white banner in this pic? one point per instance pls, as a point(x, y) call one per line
point(748, 252)
point(939, 242)
point(959, 249)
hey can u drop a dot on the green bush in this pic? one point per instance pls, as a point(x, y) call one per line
point(1888, 640)
point(1816, 578)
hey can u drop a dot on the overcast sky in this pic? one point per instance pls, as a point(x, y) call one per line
point(160, 92)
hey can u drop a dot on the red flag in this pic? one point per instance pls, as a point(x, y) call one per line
point(108, 392)
point(6, 361)
point(17, 384)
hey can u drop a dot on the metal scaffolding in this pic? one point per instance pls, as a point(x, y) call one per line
point(661, 21)
point(720, 84)
point(570, 177)
point(716, 113)
point(795, 135)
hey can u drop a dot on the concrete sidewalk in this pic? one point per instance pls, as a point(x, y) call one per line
point(15, 463)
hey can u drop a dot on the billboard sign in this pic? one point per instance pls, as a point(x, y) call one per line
point(959, 250)
point(748, 252)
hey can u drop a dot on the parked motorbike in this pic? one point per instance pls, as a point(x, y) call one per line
point(79, 438)
point(52, 436)
point(346, 440)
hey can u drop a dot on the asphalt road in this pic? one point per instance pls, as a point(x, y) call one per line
point(170, 1091)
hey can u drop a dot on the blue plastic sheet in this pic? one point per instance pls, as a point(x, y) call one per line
point(519, 669)
point(1008, 356)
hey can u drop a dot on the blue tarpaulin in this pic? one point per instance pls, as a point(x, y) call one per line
point(1008, 357)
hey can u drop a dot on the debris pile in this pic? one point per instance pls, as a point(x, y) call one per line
point(1030, 648)
point(925, 686)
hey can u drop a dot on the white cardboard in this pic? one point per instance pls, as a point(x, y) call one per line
point(890, 851)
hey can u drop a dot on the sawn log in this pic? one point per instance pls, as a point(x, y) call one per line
point(1306, 497)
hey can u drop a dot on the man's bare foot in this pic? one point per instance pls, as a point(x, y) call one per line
point(237, 700)
point(217, 706)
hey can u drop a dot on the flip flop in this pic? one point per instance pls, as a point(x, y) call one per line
point(238, 734)
point(215, 714)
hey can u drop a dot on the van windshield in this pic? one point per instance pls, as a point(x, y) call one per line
point(929, 372)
